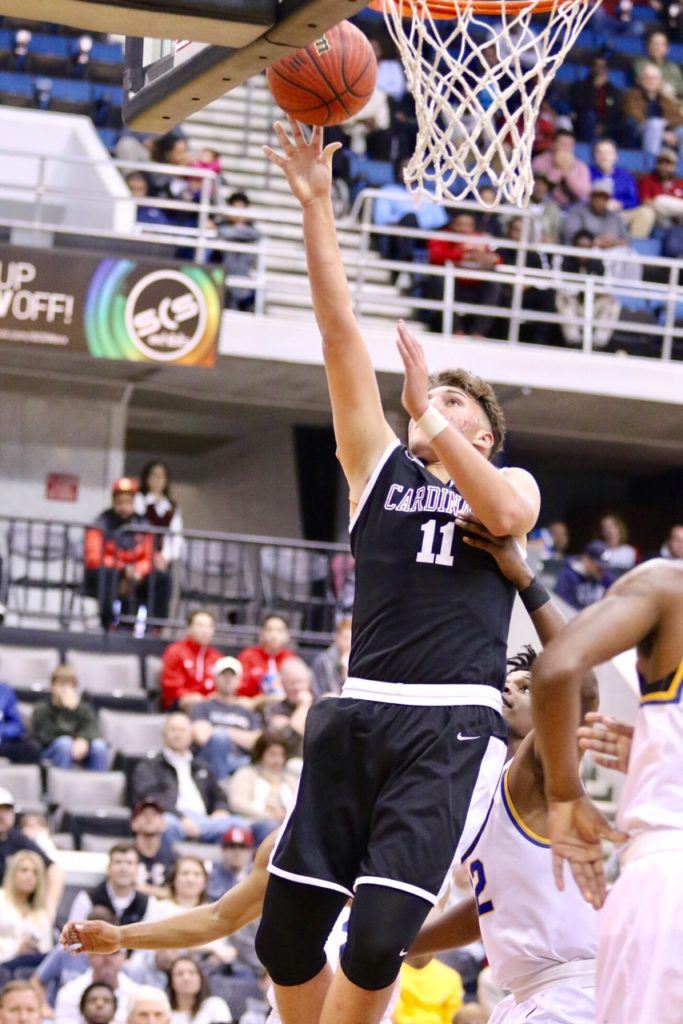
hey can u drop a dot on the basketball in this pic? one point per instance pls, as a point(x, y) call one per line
point(328, 81)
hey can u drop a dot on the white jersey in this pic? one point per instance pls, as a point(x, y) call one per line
point(333, 950)
point(652, 796)
point(527, 924)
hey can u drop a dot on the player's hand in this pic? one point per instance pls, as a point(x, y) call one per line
point(608, 740)
point(307, 165)
point(90, 937)
point(576, 828)
point(505, 550)
point(415, 395)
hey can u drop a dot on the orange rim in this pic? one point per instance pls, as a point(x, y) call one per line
point(447, 10)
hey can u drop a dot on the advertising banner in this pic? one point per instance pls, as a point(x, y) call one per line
point(136, 310)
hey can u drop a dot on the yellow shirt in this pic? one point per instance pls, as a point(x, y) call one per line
point(430, 996)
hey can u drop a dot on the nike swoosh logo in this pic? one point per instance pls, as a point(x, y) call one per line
point(461, 737)
point(404, 952)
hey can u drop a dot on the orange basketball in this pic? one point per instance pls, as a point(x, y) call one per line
point(333, 78)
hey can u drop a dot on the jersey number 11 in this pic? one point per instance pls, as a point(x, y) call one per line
point(426, 552)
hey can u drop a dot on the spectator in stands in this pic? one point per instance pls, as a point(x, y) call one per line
point(149, 1006)
point(395, 207)
point(262, 792)
point(14, 744)
point(224, 726)
point(36, 827)
point(60, 967)
point(190, 996)
point(237, 854)
point(595, 103)
point(569, 177)
point(652, 118)
point(584, 580)
point(155, 855)
point(619, 554)
point(548, 216)
point(21, 50)
point(261, 665)
point(117, 558)
point(624, 191)
point(470, 255)
point(430, 994)
point(369, 131)
point(25, 926)
point(570, 298)
point(657, 54)
point(673, 545)
point(194, 806)
point(138, 185)
point(11, 841)
point(188, 665)
point(595, 217)
point(20, 1003)
point(172, 149)
point(80, 57)
point(288, 717)
point(66, 726)
point(153, 501)
point(118, 891)
point(661, 191)
point(98, 1003)
point(104, 967)
point(390, 77)
point(239, 228)
point(331, 666)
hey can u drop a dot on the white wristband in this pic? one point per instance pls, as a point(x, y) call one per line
point(431, 423)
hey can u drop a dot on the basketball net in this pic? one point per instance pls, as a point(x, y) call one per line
point(478, 86)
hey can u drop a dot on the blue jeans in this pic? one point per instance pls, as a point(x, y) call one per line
point(58, 753)
point(222, 755)
point(210, 829)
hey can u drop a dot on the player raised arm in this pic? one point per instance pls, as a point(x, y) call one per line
point(236, 908)
point(360, 428)
point(507, 502)
point(608, 740)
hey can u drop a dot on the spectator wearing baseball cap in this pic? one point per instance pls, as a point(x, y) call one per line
point(662, 189)
point(605, 225)
point(155, 853)
point(225, 727)
point(118, 559)
point(584, 580)
point(12, 840)
point(237, 852)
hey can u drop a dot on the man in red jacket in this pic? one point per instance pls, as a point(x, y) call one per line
point(261, 665)
point(187, 673)
point(472, 255)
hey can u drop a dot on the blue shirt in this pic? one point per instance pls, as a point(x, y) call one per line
point(624, 187)
point(11, 725)
point(396, 202)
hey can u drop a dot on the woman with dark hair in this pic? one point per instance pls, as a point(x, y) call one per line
point(620, 555)
point(154, 503)
point(191, 1000)
point(262, 791)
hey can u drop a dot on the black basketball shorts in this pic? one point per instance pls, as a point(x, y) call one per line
point(390, 794)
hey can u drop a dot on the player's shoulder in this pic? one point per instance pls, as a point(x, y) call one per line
point(656, 575)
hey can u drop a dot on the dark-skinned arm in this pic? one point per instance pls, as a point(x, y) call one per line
point(457, 927)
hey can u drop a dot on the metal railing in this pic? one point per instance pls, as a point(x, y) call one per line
point(276, 264)
point(44, 580)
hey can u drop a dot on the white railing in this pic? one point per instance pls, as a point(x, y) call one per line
point(266, 280)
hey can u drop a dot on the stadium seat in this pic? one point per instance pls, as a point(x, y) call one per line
point(370, 173)
point(630, 44)
point(100, 844)
point(74, 790)
point(152, 673)
point(646, 246)
point(24, 783)
point(131, 734)
point(203, 851)
point(218, 575)
point(643, 14)
point(113, 92)
point(107, 673)
point(583, 151)
point(108, 136)
point(49, 55)
point(295, 580)
point(632, 160)
point(28, 667)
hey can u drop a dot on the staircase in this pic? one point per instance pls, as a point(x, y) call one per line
point(236, 126)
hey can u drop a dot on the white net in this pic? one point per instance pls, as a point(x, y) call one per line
point(479, 82)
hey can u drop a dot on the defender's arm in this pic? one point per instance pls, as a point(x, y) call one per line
point(457, 927)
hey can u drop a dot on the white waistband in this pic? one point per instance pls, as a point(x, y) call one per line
point(422, 695)
point(577, 973)
point(656, 840)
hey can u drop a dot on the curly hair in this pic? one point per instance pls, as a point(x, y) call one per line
point(482, 393)
point(523, 660)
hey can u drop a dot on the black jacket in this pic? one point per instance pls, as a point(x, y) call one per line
point(134, 912)
point(154, 776)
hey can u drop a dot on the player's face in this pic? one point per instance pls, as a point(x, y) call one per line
point(462, 412)
point(517, 704)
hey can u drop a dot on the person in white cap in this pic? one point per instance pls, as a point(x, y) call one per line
point(12, 840)
point(224, 726)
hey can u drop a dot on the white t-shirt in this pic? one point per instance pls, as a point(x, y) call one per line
point(213, 1010)
point(69, 997)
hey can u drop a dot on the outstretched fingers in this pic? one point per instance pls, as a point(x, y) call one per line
point(297, 132)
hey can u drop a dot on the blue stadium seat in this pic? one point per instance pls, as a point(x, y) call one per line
point(584, 151)
point(643, 14)
point(58, 46)
point(110, 53)
point(108, 136)
point(588, 39)
point(676, 52)
point(632, 160)
point(636, 305)
point(618, 78)
point(627, 44)
point(647, 246)
point(6, 39)
point(71, 90)
point(16, 83)
point(373, 172)
point(569, 73)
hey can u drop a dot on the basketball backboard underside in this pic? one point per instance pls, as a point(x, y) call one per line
point(167, 80)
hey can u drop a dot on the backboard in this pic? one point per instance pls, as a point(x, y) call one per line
point(166, 80)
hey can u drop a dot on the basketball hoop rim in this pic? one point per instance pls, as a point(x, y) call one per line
point(447, 10)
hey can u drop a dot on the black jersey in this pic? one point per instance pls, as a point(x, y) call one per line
point(427, 608)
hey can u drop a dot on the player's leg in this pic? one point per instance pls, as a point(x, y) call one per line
point(290, 943)
point(382, 926)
